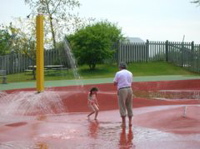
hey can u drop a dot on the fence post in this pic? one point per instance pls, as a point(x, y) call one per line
point(193, 56)
point(183, 53)
point(118, 52)
point(147, 50)
point(166, 48)
point(192, 46)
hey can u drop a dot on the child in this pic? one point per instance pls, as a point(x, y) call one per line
point(92, 102)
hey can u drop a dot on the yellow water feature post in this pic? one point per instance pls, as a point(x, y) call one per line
point(39, 53)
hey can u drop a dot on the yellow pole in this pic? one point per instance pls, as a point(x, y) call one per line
point(39, 53)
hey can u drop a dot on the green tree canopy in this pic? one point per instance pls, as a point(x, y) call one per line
point(196, 2)
point(5, 40)
point(93, 44)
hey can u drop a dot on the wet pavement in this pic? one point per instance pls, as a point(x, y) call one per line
point(75, 131)
point(157, 123)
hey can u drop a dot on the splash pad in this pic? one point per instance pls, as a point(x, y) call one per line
point(56, 118)
point(158, 120)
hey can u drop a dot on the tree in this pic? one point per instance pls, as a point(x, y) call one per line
point(5, 40)
point(58, 17)
point(93, 44)
point(196, 2)
point(23, 38)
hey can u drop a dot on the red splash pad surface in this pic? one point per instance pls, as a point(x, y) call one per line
point(157, 123)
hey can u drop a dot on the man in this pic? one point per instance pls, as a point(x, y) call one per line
point(123, 80)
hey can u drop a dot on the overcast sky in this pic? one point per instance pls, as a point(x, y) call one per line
point(156, 20)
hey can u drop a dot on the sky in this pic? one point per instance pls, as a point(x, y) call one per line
point(155, 20)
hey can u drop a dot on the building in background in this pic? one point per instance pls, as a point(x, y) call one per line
point(134, 40)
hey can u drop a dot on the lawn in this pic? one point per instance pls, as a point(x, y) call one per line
point(106, 71)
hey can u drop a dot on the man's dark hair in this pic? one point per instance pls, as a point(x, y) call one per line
point(122, 65)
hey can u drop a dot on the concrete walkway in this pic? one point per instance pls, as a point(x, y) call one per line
point(56, 83)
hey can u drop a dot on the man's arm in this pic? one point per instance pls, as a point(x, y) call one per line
point(115, 83)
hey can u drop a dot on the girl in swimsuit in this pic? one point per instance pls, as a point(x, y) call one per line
point(93, 102)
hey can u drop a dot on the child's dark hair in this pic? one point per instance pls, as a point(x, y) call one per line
point(93, 89)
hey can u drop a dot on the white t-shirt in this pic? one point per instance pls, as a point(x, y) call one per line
point(123, 78)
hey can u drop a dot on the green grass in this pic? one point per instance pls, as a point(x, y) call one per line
point(107, 71)
point(158, 68)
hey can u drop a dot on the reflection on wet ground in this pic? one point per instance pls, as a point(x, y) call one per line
point(93, 128)
point(126, 138)
point(74, 131)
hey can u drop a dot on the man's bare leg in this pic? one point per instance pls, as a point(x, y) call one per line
point(123, 121)
point(130, 120)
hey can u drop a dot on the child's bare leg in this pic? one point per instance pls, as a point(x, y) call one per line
point(96, 114)
point(91, 113)
point(96, 111)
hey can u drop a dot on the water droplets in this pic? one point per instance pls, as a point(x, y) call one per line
point(32, 103)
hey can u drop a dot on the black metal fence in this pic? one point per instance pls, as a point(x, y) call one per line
point(17, 62)
point(184, 54)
